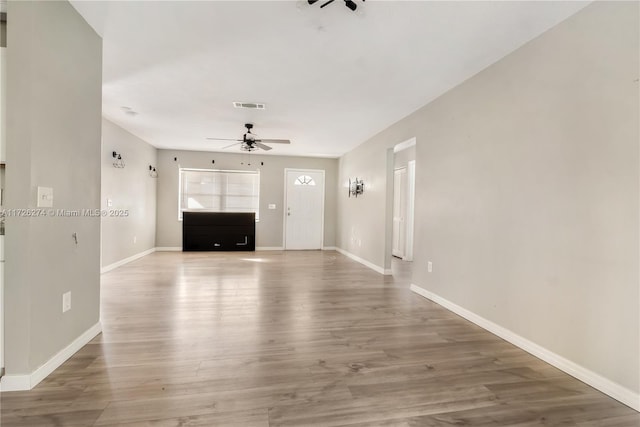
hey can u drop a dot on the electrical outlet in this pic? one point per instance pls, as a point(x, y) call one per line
point(135, 239)
point(429, 266)
point(272, 206)
point(109, 202)
point(66, 301)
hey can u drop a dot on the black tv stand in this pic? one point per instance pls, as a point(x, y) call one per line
point(218, 231)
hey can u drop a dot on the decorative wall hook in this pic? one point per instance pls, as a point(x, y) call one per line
point(152, 172)
point(356, 187)
point(117, 162)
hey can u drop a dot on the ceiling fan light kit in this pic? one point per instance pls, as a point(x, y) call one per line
point(250, 142)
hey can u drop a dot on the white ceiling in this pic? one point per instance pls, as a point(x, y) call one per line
point(330, 78)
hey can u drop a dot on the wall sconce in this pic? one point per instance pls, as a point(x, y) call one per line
point(152, 172)
point(117, 162)
point(356, 187)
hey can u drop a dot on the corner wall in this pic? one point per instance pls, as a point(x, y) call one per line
point(54, 100)
point(361, 225)
point(527, 194)
point(129, 189)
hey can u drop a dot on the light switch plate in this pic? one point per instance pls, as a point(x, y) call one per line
point(45, 197)
point(109, 202)
point(66, 301)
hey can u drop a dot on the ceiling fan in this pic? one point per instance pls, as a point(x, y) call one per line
point(250, 141)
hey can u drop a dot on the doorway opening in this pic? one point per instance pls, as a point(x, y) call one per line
point(403, 200)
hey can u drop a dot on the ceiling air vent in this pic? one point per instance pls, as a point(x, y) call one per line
point(249, 105)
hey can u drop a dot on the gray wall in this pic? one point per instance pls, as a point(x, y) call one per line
point(269, 229)
point(361, 224)
point(54, 89)
point(527, 192)
point(129, 188)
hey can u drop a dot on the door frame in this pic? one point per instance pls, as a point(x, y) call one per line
point(388, 236)
point(411, 205)
point(284, 207)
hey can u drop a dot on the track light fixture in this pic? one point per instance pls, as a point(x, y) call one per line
point(349, 3)
point(152, 172)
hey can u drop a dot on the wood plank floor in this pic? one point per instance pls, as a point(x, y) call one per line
point(294, 339)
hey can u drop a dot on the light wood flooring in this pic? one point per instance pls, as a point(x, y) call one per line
point(294, 339)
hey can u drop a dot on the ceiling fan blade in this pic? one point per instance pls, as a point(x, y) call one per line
point(261, 145)
point(232, 145)
point(224, 139)
point(274, 141)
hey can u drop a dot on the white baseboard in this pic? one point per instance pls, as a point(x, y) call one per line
point(126, 260)
point(15, 383)
point(329, 248)
point(363, 261)
point(269, 248)
point(29, 381)
point(608, 387)
point(169, 249)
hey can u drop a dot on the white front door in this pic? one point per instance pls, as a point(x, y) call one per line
point(304, 209)
point(399, 211)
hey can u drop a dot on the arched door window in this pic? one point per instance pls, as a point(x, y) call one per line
point(304, 180)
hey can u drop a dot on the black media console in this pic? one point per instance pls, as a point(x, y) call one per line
point(218, 231)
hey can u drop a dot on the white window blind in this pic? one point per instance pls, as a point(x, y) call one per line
point(209, 190)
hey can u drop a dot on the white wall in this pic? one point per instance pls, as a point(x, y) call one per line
point(130, 189)
point(527, 193)
point(269, 230)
